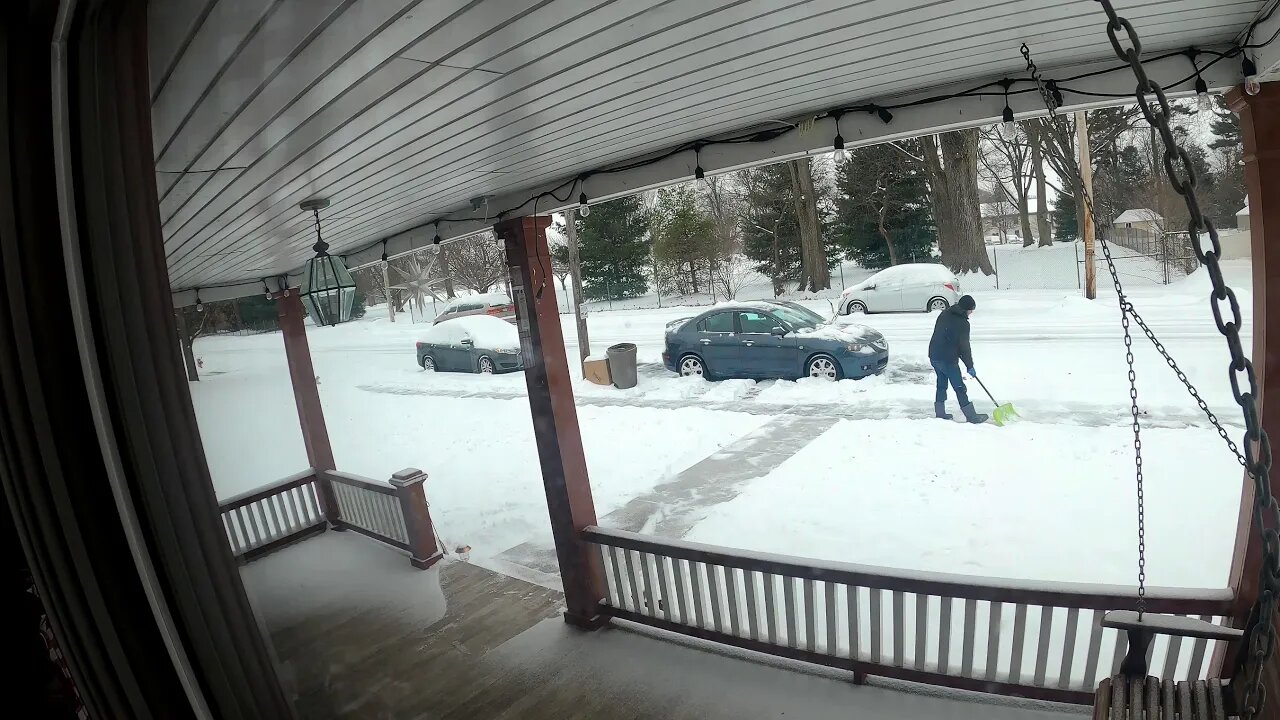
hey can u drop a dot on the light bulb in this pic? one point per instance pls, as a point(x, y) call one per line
point(1204, 103)
point(699, 173)
point(436, 240)
point(199, 306)
point(841, 155)
point(1250, 72)
point(583, 208)
point(1008, 127)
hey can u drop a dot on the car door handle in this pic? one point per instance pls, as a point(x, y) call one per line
point(705, 341)
point(749, 343)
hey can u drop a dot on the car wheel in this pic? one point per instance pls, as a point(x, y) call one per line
point(938, 304)
point(428, 363)
point(855, 307)
point(823, 366)
point(692, 365)
point(486, 365)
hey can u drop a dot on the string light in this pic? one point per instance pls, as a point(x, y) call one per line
point(1008, 126)
point(266, 289)
point(698, 172)
point(199, 302)
point(838, 144)
point(1204, 103)
point(1250, 71)
point(384, 254)
point(436, 239)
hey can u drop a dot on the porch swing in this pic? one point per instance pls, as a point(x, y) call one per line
point(1132, 693)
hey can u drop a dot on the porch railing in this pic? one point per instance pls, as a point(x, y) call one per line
point(394, 513)
point(265, 519)
point(1025, 639)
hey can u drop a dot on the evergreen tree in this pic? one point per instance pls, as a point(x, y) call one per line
point(1064, 218)
point(684, 239)
point(770, 230)
point(882, 206)
point(1225, 126)
point(613, 246)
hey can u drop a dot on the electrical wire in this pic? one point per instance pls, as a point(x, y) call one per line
point(994, 88)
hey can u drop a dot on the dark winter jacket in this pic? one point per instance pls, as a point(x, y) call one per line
point(950, 341)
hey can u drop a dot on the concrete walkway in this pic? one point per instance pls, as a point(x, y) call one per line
point(672, 508)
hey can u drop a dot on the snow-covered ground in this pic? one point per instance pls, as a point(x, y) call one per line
point(867, 477)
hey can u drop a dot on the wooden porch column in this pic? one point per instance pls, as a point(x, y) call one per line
point(424, 551)
point(1260, 131)
point(315, 436)
point(555, 419)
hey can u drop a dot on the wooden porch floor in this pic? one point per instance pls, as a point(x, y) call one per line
point(360, 634)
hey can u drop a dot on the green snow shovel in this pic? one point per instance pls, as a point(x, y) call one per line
point(1003, 413)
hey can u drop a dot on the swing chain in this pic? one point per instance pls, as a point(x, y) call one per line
point(1261, 636)
point(1126, 310)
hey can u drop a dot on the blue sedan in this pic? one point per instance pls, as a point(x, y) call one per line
point(771, 339)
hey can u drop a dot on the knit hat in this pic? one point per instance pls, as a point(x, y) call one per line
point(967, 303)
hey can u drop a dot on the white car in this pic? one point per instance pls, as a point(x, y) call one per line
point(912, 287)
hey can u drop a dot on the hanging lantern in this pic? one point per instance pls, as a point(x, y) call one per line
point(328, 291)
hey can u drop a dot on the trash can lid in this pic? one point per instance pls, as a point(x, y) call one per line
point(622, 347)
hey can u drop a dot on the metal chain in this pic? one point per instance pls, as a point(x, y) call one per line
point(1125, 309)
point(1261, 637)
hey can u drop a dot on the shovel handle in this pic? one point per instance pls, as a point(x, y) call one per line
point(985, 390)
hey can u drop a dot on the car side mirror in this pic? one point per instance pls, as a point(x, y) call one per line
point(778, 331)
point(869, 287)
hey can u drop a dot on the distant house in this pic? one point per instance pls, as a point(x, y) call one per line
point(1140, 219)
point(1242, 218)
point(1001, 219)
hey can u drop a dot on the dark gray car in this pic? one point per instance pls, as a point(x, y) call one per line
point(477, 344)
point(772, 339)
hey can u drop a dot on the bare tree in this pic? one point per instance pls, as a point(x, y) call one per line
point(951, 161)
point(1044, 230)
point(1007, 158)
point(477, 262)
point(731, 273)
point(816, 274)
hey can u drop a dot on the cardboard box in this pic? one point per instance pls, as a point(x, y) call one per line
point(596, 369)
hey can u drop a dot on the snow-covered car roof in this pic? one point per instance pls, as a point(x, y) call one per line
point(923, 271)
point(487, 331)
point(493, 298)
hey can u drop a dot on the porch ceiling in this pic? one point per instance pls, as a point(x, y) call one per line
point(401, 110)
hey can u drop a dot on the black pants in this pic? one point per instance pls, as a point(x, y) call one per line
point(950, 373)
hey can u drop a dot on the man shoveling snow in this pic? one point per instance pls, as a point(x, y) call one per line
point(948, 346)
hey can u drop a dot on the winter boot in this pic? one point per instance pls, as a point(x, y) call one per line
point(972, 415)
point(940, 411)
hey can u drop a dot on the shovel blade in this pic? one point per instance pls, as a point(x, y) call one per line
point(1003, 414)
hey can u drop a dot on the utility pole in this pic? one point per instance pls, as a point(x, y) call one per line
point(575, 274)
point(386, 290)
point(1086, 175)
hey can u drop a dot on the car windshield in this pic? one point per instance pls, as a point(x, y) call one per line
point(797, 316)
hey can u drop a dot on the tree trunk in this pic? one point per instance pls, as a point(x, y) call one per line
point(1024, 216)
point(813, 257)
point(777, 263)
point(693, 277)
point(1043, 228)
point(951, 161)
point(188, 349)
point(888, 239)
point(575, 274)
point(444, 272)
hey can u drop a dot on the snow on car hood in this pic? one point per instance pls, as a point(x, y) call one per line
point(844, 332)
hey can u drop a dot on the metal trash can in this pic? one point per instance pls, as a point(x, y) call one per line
point(622, 365)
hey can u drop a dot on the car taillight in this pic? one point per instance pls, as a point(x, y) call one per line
point(418, 345)
point(950, 286)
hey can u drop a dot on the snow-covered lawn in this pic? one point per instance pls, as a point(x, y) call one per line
point(1049, 497)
